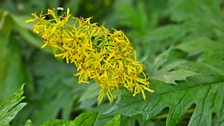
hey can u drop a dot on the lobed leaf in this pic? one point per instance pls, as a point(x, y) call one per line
point(201, 93)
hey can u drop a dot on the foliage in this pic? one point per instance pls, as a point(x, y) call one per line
point(194, 63)
point(180, 43)
point(11, 107)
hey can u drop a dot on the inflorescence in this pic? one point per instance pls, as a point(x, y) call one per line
point(99, 54)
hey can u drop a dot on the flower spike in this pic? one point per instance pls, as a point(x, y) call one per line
point(99, 54)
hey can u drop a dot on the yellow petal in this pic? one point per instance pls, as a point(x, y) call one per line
point(68, 11)
point(29, 20)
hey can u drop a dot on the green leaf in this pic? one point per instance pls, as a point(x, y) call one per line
point(11, 107)
point(206, 51)
point(58, 123)
point(15, 72)
point(172, 76)
point(115, 121)
point(200, 18)
point(168, 33)
point(169, 68)
point(29, 123)
point(57, 90)
point(207, 97)
point(199, 45)
point(10, 22)
point(200, 93)
point(74, 4)
point(13, 69)
point(85, 119)
point(133, 16)
point(90, 92)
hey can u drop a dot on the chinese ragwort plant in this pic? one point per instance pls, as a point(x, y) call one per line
point(99, 54)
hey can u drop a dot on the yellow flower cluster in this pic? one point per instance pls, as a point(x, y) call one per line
point(97, 53)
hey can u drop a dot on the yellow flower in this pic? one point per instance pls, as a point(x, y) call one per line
point(100, 54)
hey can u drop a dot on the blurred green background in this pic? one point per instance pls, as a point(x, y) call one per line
point(51, 90)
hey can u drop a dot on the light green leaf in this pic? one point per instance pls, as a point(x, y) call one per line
point(176, 75)
point(29, 123)
point(85, 119)
point(58, 123)
point(11, 107)
point(170, 70)
point(115, 121)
